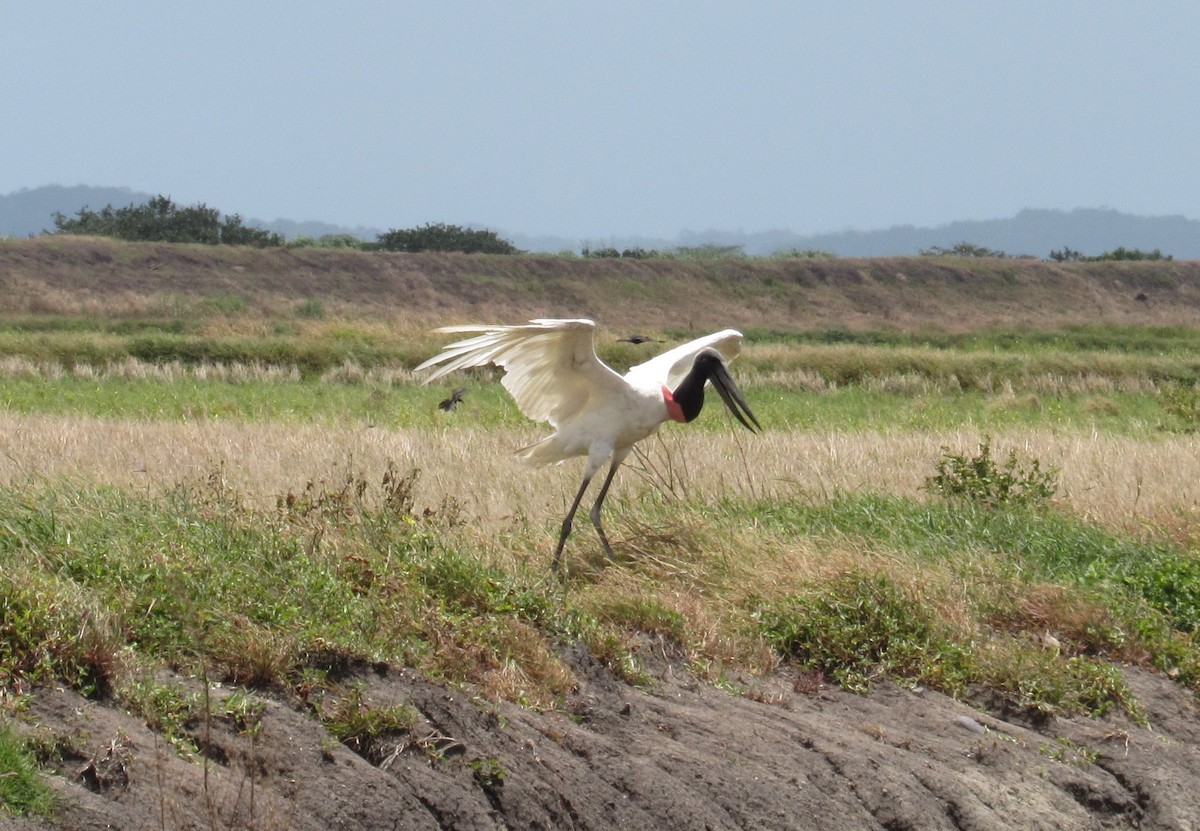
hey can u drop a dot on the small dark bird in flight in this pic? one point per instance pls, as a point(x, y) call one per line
point(636, 339)
point(450, 403)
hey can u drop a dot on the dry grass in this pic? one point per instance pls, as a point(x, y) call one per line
point(1115, 480)
point(91, 277)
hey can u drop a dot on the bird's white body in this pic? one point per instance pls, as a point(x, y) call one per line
point(553, 373)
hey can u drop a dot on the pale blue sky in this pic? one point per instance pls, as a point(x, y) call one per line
point(593, 119)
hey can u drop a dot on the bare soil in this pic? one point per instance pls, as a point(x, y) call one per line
point(679, 754)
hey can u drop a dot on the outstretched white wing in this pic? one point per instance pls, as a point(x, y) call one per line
point(671, 366)
point(550, 366)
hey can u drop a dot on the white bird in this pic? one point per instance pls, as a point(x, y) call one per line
point(553, 374)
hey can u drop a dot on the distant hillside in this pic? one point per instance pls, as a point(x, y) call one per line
point(87, 276)
point(291, 229)
point(30, 211)
point(1033, 232)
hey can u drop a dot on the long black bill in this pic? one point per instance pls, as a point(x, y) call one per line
point(732, 396)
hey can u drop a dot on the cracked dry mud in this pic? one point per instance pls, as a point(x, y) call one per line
point(679, 755)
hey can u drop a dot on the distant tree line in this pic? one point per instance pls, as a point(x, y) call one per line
point(963, 249)
point(966, 249)
point(1067, 255)
point(441, 237)
point(161, 220)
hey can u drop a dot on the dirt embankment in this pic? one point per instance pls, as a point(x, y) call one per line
point(74, 275)
point(679, 755)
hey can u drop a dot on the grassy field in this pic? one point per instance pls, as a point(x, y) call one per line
point(273, 498)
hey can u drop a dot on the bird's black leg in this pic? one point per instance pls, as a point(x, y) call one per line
point(566, 526)
point(612, 471)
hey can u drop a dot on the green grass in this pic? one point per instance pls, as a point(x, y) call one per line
point(1027, 544)
point(1123, 380)
point(188, 399)
point(354, 575)
point(487, 405)
point(22, 790)
point(314, 345)
point(1144, 340)
point(1117, 596)
point(99, 586)
point(195, 576)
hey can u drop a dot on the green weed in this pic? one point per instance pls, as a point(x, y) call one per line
point(489, 772)
point(22, 790)
point(362, 726)
point(1182, 403)
point(864, 626)
point(982, 479)
point(167, 709)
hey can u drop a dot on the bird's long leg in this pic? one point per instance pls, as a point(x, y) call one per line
point(566, 525)
point(595, 513)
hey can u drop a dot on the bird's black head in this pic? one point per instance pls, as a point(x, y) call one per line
point(709, 366)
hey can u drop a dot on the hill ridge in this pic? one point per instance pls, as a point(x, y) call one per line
point(81, 275)
point(1031, 231)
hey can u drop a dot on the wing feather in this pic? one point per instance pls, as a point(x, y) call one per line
point(671, 366)
point(550, 366)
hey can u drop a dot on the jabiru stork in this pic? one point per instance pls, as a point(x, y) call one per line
point(552, 372)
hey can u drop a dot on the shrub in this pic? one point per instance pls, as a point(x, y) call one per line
point(804, 254)
point(1120, 254)
point(607, 252)
point(1123, 253)
point(161, 220)
point(963, 249)
point(1066, 255)
point(981, 479)
point(709, 252)
point(1183, 402)
point(441, 237)
point(863, 626)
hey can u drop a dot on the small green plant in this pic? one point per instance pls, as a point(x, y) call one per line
point(224, 303)
point(244, 711)
point(1069, 753)
point(167, 709)
point(983, 480)
point(22, 790)
point(863, 626)
point(311, 309)
point(489, 773)
point(1182, 402)
point(361, 726)
point(645, 614)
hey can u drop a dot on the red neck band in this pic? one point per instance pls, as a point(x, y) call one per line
point(674, 411)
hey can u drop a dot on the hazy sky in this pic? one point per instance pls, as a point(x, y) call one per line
point(589, 119)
